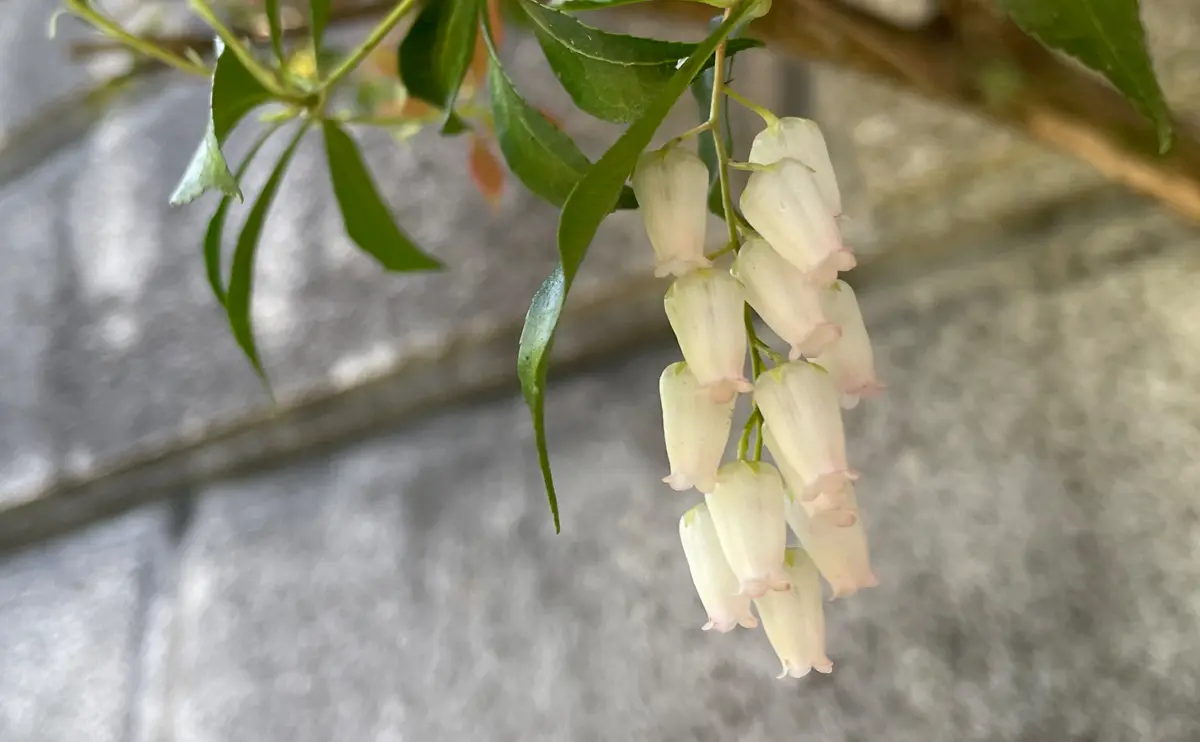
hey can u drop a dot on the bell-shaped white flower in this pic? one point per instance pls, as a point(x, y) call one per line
point(715, 582)
point(784, 205)
point(695, 427)
point(833, 504)
point(850, 360)
point(800, 406)
point(801, 139)
point(838, 549)
point(705, 309)
point(671, 185)
point(789, 305)
point(795, 620)
point(747, 511)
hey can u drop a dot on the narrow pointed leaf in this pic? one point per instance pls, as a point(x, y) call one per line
point(1106, 35)
point(573, 6)
point(235, 93)
point(271, 8)
point(318, 19)
point(590, 201)
point(216, 225)
point(436, 53)
point(540, 154)
point(241, 277)
point(612, 76)
point(367, 219)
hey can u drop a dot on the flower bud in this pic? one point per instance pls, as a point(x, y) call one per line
point(778, 292)
point(850, 361)
point(705, 311)
point(800, 406)
point(695, 428)
point(784, 205)
point(747, 511)
point(795, 620)
point(715, 582)
point(838, 550)
point(671, 185)
point(800, 139)
point(833, 504)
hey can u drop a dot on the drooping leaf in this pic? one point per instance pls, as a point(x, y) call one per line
point(1106, 35)
point(235, 93)
point(318, 19)
point(539, 153)
point(436, 53)
point(367, 219)
point(241, 275)
point(271, 8)
point(216, 225)
point(590, 201)
point(612, 76)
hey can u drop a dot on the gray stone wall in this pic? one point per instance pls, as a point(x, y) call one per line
point(373, 559)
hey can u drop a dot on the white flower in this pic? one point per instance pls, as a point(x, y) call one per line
point(715, 582)
point(747, 511)
point(850, 360)
point(795, 620)
point(695, 428)
point(838, 549)
point(800, 139)
point(784, 205)
point(778, 292)
point(800, 406)
point(705, 308)
point(832, 503)
point(671, 185)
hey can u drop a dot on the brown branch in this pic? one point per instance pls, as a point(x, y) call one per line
point(958, 58)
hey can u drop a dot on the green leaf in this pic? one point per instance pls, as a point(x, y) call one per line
point(1106, 35)
point(235, 93)
point(540, 154)
point(318, 19)
point(574, 6)
point(271, 8)
point(436, 53)
point(216, 225)
point(590, 201)
point(611, 76)
point(367, 219)
point(241, 276)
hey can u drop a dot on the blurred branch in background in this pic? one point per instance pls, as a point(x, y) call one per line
point(968, 56)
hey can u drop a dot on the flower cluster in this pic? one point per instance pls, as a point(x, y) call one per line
point(787, 257)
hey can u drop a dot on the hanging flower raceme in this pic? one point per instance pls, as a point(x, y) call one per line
point(747, 512)
point(705, 311)
point(850, 360)
point(784, 205)
point(800, 406)
point(791, 307)
point(671, 185)
point(838, 549)
point(715, 582)
point(800, 139)
point(794, 619)
point(695, 428)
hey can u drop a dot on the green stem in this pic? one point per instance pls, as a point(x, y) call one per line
point(770, 118)
point(373, 40)
point(731, 221)
point(111, 29)
point(691, 132)
point(234, 44)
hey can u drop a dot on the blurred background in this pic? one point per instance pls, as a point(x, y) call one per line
point(372, 559)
